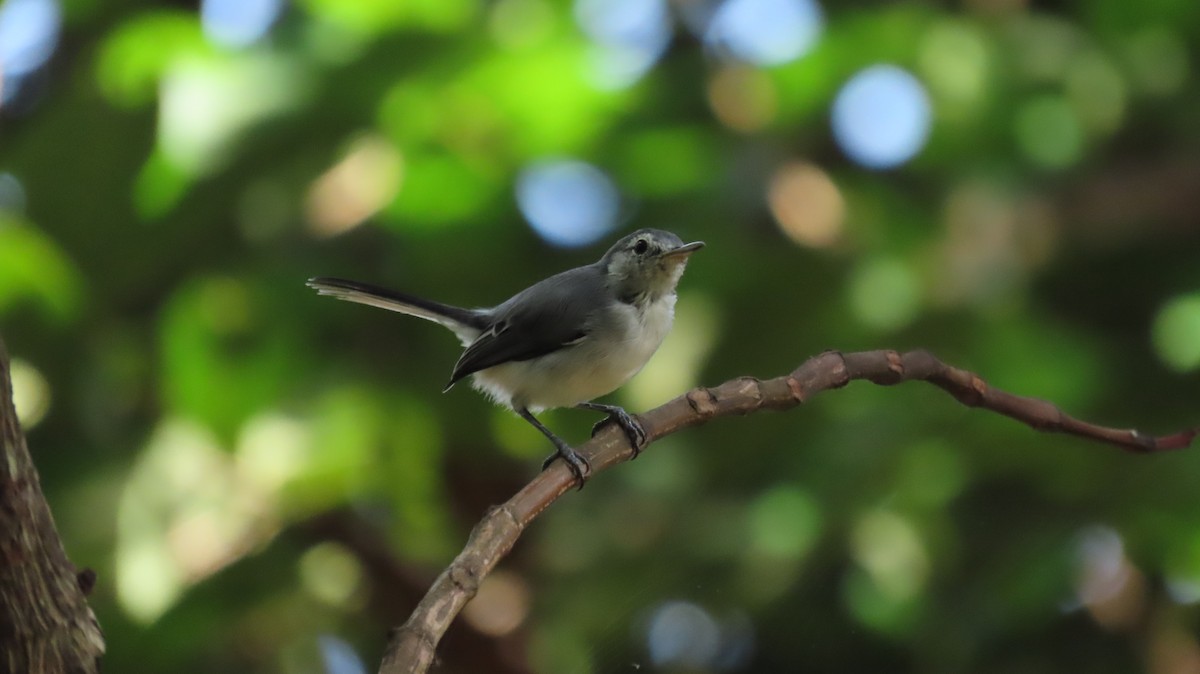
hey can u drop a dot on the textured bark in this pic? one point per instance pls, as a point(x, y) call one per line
point(413, 645)
point(46, 625)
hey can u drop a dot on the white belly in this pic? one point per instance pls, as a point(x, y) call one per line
point(596, 366)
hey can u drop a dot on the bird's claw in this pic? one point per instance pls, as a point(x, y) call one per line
point(578, 465)
point(628, 423)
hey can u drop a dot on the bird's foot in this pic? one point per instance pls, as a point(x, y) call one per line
point(578, 465)
point(628, 423)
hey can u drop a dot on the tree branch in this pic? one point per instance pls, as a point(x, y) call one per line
point(412, 646)
point(395, 587)
point(46, 625)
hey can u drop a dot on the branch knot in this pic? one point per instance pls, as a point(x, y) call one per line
point(703, 402)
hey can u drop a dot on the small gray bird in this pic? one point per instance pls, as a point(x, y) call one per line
point(563, 341)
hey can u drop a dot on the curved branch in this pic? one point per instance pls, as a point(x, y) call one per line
point(412, 646)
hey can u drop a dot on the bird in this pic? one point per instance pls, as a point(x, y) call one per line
point(562, 342)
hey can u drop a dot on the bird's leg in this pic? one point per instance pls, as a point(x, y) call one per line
point(579, 466)
point(628, 423)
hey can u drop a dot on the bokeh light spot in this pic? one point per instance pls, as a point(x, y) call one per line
point(12, 194)
point(784, 522)
point(1183, 590)
point(272, 450)
point(29, 31)
point(500, 605)
point(683, 634)
point(889, 549)
point(1177, 332)
point(331, 573)
point(205, 103)
point(515, 24)
point(186, 512)
point(807, 204)
point(742, 97)
point(993, 240)
point(766, 32)
point(238, 23)
point(28, 34)
point(33, 268)
point(954, 60)
point(148, 580)
point(180, 465)
point(882, 117)
point(621, 21)
point(30, 391)
point(339, 657)
point(1049, 133)
point(569, 203)
point(364, 181)
point(1101, 554)
point(135, 55)
point(1108, 584)
point(631, 36)
point(885, 294)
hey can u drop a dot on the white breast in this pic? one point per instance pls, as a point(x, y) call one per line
point(600, 363)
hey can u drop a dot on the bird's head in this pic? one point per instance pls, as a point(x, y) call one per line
point(647, 264)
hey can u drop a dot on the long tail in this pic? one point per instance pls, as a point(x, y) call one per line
point(463, 322)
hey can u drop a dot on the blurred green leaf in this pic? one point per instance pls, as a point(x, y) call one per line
point(135, 56)
point(380, 16)
point(33, 267)
point(221, 360)
point(440, 188)
point(665, 161)
point(1177, 332)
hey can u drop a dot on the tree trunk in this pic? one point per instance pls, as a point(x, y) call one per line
point(46, 625)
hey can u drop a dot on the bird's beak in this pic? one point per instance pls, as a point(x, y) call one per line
point(684, 250)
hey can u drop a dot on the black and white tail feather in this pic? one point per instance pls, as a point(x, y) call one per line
point(465, 323)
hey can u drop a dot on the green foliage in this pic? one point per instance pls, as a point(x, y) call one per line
point(215, 439)
point(33, 268)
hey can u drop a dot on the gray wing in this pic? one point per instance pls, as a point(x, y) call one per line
point(550, 315)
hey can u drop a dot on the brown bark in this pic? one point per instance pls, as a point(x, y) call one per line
point(46, 625)
point(413, 645)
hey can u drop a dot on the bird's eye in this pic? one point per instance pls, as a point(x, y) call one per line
point(641, 247)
